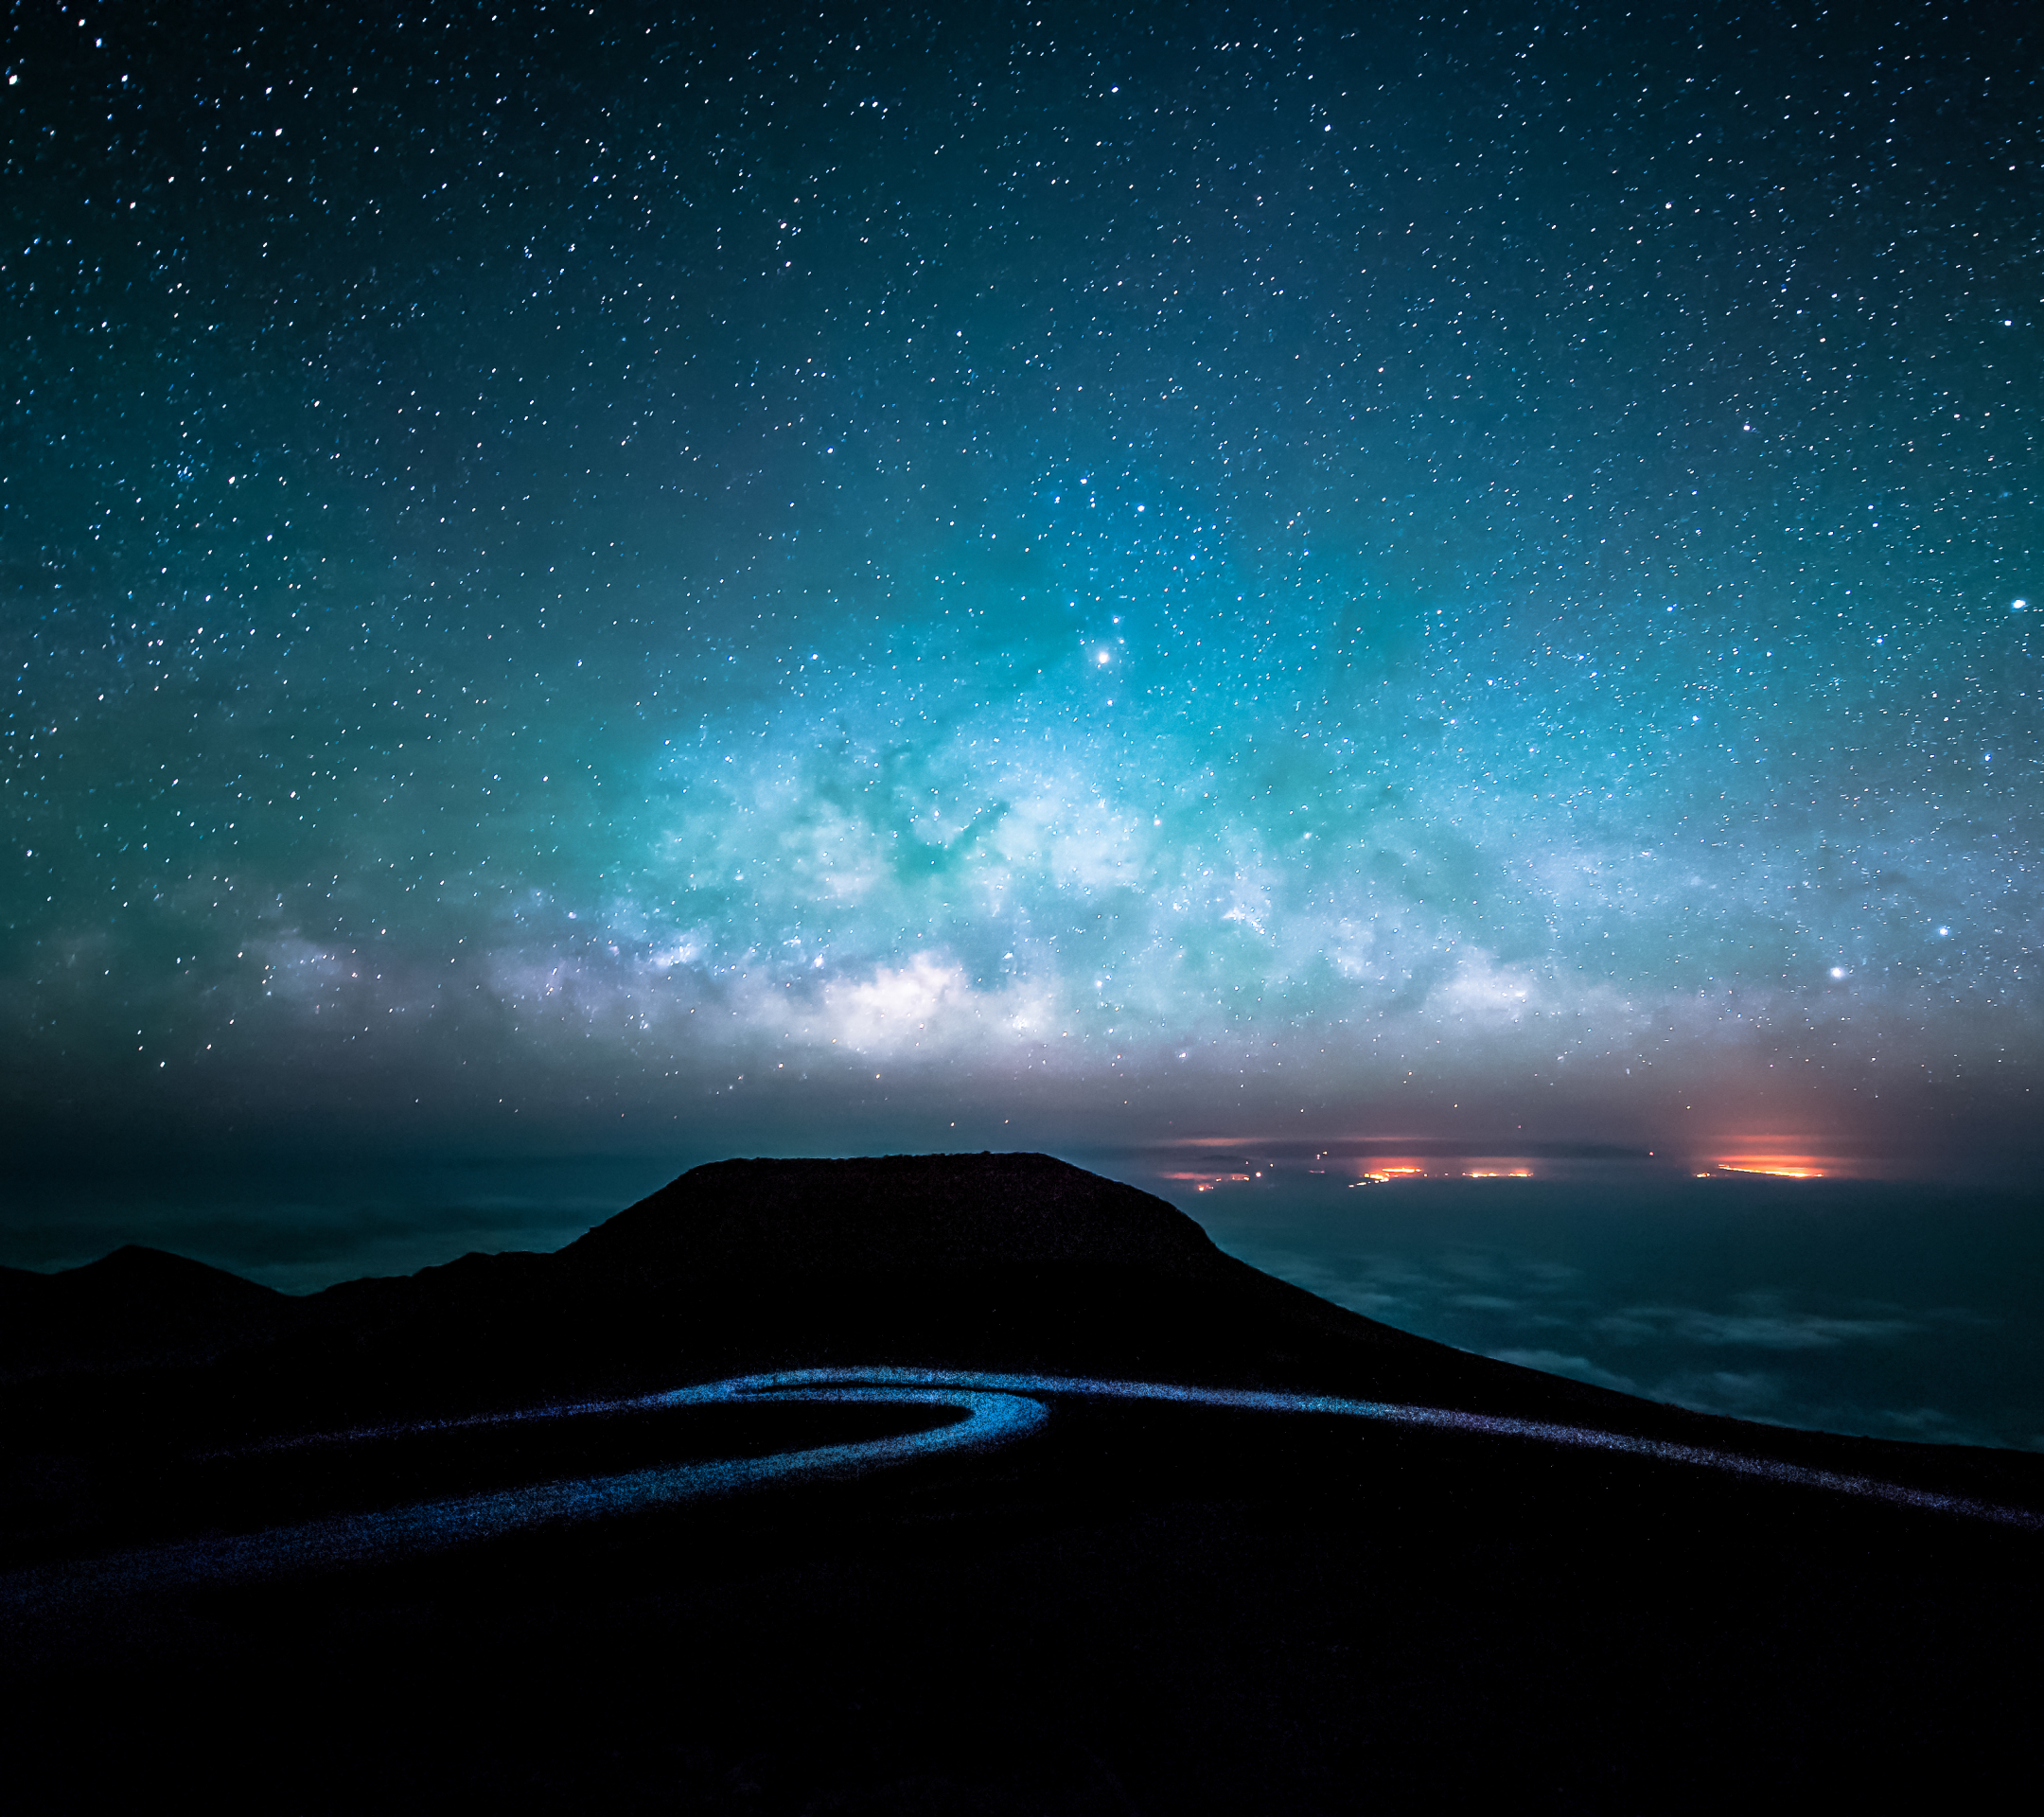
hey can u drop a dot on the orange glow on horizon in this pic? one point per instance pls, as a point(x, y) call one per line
point(1780, 1167)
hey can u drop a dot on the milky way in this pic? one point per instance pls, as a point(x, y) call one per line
point(1202, 570)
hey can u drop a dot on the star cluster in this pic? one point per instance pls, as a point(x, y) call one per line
point(1188, 569)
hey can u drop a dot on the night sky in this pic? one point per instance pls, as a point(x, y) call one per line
point(837, 579)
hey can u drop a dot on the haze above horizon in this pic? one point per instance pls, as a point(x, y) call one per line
point(582, 585)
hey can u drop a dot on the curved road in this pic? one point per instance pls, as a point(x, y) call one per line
point(997, 1409)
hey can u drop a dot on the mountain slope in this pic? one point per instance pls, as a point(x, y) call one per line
point(134, 1308)
point(1005, 1263)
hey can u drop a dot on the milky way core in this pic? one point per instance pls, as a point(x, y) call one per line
point(839, 575)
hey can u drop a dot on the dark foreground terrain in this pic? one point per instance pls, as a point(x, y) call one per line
point(1135, 1607)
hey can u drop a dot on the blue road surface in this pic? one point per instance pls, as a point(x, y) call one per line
point(997, 1409)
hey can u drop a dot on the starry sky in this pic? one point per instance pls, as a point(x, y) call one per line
point(817, 578)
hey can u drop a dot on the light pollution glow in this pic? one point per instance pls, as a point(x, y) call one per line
point(1473, 610)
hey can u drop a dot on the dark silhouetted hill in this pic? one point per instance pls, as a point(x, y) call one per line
point(1137, 1607)
point(135, 1308)
point(983, 1262)
point(898, 1215)
point(986, 1262)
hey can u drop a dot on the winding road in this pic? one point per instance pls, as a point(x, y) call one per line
point(997, 1410)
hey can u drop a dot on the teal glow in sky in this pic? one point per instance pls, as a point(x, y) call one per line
point(825, 579)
